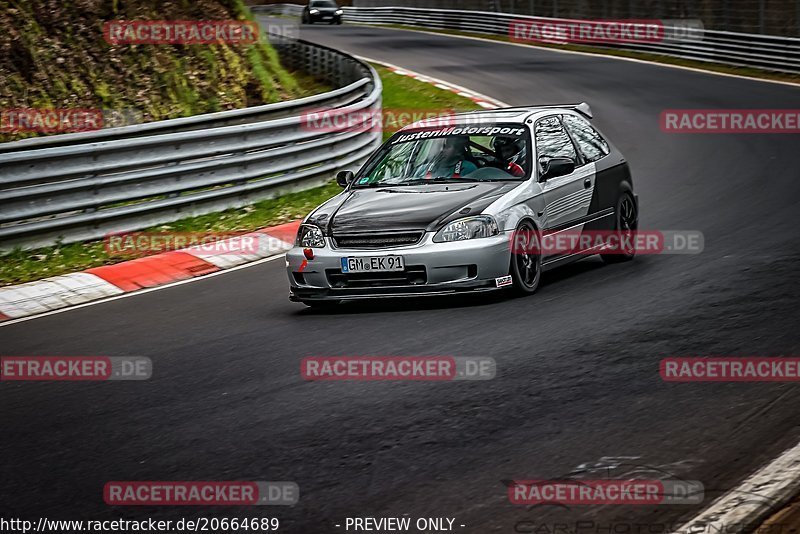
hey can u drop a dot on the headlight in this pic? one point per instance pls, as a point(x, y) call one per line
point(339, 11)
point(314, 11)
point(309, 236)
point(467, 228)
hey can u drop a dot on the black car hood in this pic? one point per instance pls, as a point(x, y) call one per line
point(406, 207)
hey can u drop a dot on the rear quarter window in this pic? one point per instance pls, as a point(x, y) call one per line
point(589, 141)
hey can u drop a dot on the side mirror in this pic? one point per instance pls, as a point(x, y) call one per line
point(343, 178)
point(557, 167)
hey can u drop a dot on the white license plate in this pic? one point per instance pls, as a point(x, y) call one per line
point(366, 264)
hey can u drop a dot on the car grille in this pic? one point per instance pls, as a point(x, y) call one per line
point(412, 276)
point(377, 240)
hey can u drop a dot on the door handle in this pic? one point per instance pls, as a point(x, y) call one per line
point(587, 183)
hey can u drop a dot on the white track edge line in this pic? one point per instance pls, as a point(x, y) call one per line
point(595, 54)
point(439, 80)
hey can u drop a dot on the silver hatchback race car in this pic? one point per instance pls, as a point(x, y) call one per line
point(466, 203)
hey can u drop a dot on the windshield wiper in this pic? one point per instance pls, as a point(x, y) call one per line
point(418, 181)
point(438, 180)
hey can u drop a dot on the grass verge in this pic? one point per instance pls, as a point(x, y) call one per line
point(404, 96)
point(26, 265)
point(655, 58)
point(399, 93)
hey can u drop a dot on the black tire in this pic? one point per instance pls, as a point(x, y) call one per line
point(339, 21)
point(526, 263)
point(626, 223)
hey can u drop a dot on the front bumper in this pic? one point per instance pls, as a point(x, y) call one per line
point(431, 269)
point(324, 17)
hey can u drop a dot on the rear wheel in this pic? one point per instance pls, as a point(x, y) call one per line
point(526, 262)
point(627, 220)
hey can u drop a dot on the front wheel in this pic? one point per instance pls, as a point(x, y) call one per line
point(627, 221)
point(526, 262)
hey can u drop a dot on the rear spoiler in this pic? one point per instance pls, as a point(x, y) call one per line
point(582, 108)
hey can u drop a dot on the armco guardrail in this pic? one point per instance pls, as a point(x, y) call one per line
point(781, 54)
point(279, 9)
point(83, 186)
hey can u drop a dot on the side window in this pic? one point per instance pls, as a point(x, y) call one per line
point(590, 143)
point(552, 141)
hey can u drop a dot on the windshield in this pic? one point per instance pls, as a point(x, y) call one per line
point(482, 153)
point(323, 3)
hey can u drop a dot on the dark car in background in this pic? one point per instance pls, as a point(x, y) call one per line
point(322, 11)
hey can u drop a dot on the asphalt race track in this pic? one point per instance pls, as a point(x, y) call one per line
point(577, 386)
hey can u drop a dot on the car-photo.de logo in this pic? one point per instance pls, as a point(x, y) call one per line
point(200, 493)
point(621, 492)
point(415, 368)
point(725, 121)
point(591, 242)
point(169, 32)
point(730, 369)
point(370, 120)
point(200, 243)
point(74, 368)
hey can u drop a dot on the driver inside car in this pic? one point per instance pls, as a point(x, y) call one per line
point(452, 162)
point(511, 153)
